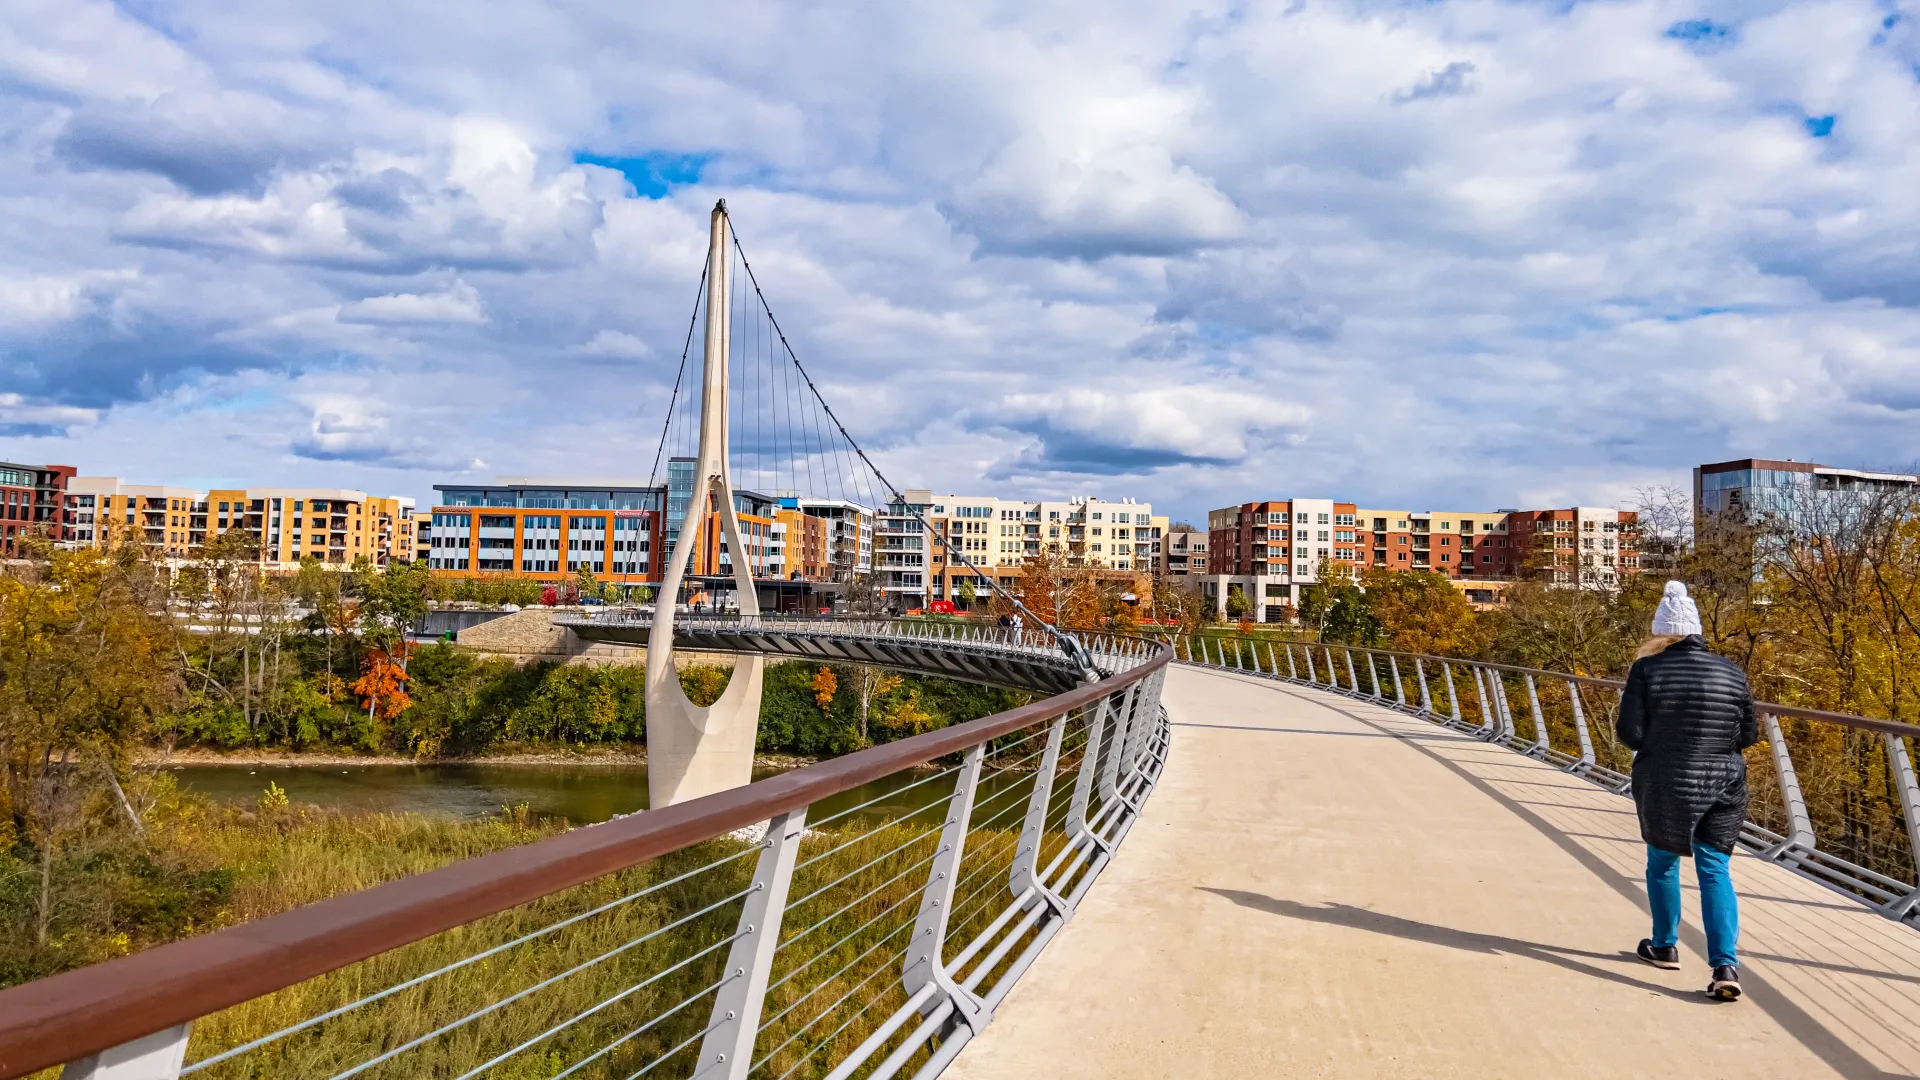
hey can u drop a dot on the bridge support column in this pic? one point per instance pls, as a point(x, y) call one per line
point(691, 750)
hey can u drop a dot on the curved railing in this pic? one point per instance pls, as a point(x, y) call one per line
point(1413, 681)
point(1025, 657)
point(864, 914)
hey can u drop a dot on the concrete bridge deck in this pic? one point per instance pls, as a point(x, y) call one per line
point(1325, 888)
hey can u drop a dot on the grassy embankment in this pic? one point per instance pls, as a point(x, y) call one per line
point(201, 866)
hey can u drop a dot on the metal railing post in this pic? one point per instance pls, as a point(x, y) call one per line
point(727, 1051)
point(1077, 824)
point(1426, 699)
point(1497, 685)
point(1489, 719)
point(1353, 677)
point(1333, 674)
point(1587, 759)
point(1453, 699)
point(1026, 857)
point(1142, 706)
point(1313, 679)
point(1799, 824)
point(924, 962)
point(1540, 740)
point(1110, 770)
point(1901, 768)
point(158, 1056)
point(1293, 672)
point(1273, 660)
point(1399, 692)
point(1373, 674)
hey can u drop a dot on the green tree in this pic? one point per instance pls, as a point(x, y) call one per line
point(1237, 603)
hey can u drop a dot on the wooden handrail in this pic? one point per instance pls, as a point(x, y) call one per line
point(68, 1016)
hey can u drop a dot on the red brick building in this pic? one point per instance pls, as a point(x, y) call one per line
point(32, 497)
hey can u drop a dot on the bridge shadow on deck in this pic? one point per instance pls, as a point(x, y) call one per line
point(1490, 944)
point(1829, 1045)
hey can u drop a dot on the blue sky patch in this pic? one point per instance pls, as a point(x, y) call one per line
point(652, 174)
point(1820, 126)
point(1702, 35)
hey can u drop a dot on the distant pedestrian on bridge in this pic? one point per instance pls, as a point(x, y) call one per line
point(1689, 714)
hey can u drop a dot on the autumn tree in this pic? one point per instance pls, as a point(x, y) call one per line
point(1421, 611)
point(824, 684)
point(87, 662)
point(869, 684)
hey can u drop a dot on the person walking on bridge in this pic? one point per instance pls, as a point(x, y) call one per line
point(1688, 714)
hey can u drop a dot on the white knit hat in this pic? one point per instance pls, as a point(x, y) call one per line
point(1677, 617)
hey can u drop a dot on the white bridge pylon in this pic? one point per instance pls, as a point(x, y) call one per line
point(694, 751)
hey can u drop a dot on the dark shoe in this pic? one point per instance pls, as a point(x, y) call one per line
point(1667, 957)
point(1725, 984)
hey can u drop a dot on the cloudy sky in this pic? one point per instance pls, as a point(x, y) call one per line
point(1459, 254)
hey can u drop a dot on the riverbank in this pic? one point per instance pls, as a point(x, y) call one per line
point(268, 757)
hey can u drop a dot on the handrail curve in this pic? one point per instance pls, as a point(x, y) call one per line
point(115, 1003)
point(1797, 847)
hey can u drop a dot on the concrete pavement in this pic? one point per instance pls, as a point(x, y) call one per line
point(1324, 888)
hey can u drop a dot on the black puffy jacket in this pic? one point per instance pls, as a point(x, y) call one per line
point(1689, 713)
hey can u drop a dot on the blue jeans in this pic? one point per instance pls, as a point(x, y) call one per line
point(1718, 907)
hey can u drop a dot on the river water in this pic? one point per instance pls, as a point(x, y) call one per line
point(582, 794)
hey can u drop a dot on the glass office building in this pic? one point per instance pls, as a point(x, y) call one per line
point(1759, 491)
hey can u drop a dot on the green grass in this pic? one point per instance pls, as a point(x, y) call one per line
point(837, 973)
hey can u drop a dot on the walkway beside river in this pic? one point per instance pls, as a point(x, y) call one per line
point(1325, 888)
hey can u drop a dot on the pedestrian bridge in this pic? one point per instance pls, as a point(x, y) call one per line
point(1326, 887)
point(1203, 860)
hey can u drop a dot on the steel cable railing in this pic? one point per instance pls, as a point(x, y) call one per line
point(875, 941)
point(1569, 722)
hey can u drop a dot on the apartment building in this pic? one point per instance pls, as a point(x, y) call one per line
point(550, 530)
point(806, 542)
point(847, 531)
point(1457, 543)
point(32, 498)
point(1585, 546)
point(980, 540)
point(1269, 550)
point(1184, 551)
point(284, 525)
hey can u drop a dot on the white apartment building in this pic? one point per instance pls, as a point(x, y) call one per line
point(977, 539)
point(849, 534)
